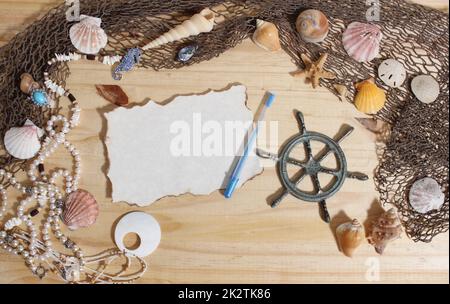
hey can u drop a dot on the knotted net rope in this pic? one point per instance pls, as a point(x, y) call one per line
point(414, 35)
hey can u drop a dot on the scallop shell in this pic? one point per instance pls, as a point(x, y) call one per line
point(350, 235)
point(425, 88)
point(202, 22)
point(87, 35)
point(362, 41)
point(23, 142)
point(392, 73)
point(313, 26)
point(426, 195)
point(266, 36)
point(81, 210)
point(385, 229)
point(370, 99)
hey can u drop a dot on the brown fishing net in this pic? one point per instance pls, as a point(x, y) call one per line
point(415, 35)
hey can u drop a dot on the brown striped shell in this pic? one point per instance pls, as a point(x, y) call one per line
point(81, 210)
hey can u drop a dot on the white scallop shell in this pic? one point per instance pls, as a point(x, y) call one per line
point(87, 35)
point(362, 41)
point(23, 142)
point(425, 88)
point(392, 72)
point(14, 222)
point(426, 195)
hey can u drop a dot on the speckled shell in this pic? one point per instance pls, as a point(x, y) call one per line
point(385, 229)
point(369, 99)
point(81, 210)
point(426, 195)
point(23, 142)
point(425, 88)
point(362, 41)
point(88, 36)
point(350, 236)
point(266, 36)
point(392, 73)
point(312, 25)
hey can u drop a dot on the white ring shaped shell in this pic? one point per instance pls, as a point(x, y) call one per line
point(145, 226)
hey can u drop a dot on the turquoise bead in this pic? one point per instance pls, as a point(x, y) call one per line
point(39, 98)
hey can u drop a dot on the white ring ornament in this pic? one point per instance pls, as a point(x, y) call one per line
point(145, 226)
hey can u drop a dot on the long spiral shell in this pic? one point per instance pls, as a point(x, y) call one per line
point(202, 22)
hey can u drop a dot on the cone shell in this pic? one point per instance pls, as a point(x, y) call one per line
point(362, 41)
point(87, 35)
point(425, 88)
point(23, 142)
point(426, 195)
point(81, 210)
point(385, 229)
point(266, 36)
point(202, 22)
point(350, 236)
point(369, 99)
point(27, 83)
point(313, 26)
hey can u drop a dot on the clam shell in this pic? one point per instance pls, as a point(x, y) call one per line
point(370, 99)
point(23, 142)
point(392, 73)
point(266, 36)
point(312, 25)
point(350, 235)
point(426, 195)
point(362, 41)
point(425, 88)
point(385, 229)
point(81, 210)
point(87, 35)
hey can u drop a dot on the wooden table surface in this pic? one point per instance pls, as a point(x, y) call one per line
point(208, 239)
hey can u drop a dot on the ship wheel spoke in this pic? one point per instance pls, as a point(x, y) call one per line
point(295, 162)
point(316, 183)
point(333, 172)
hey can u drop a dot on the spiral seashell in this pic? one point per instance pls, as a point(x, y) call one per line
point(425, 88)
point(362, 41)
point(266, 36)
point(370, 99)
point(81, 210)
point(426, 195)
point(350, 236)
point(202, 22)
point(392, 73)
point(87, 35)
point(23, 142)
point(313, 26)
point(385, 229)
point(14, 222)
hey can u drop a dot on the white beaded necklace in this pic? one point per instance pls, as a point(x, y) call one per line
point(49, 198)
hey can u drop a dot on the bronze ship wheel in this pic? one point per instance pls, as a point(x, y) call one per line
point(311, 167)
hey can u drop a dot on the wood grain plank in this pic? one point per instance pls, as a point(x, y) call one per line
point(208, 239)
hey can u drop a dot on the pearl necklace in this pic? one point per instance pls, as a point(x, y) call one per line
point(47, 195)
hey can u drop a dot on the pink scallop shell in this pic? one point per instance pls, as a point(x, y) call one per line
point(81, 210)
point(362, 41)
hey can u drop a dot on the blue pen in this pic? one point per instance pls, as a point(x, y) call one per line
point(234, 179)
